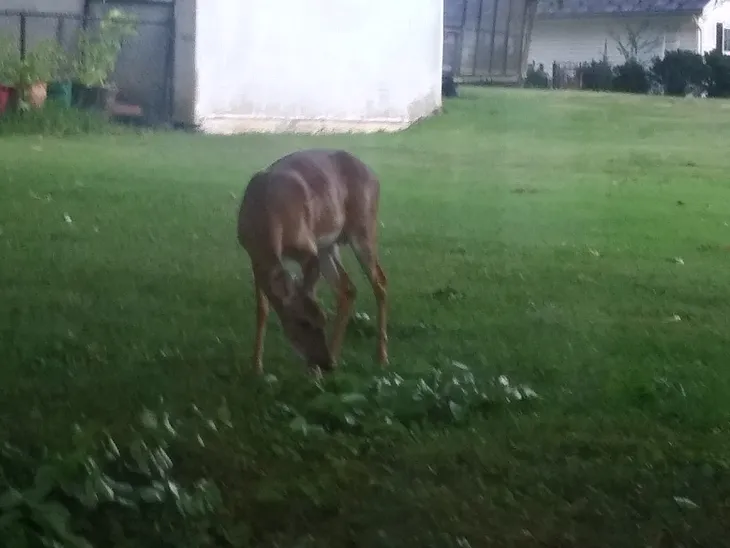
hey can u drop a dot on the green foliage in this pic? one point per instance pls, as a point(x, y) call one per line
point(56, 120)
point(631, 77)
point(445, 394)
point(9, 59)
point(97, 49)
point(718, 77)
point(596, 75)
point(536, 77)
point(680, 72)
point(99, 492)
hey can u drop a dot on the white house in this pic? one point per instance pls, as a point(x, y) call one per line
point(574, 31)
point(269, 65)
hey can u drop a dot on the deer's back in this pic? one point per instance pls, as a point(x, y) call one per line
point(309, 192)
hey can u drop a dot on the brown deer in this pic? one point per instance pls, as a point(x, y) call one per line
point(300, 210)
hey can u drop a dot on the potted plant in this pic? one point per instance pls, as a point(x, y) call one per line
point(32, 73)
point(96, 57)
point(59, 89)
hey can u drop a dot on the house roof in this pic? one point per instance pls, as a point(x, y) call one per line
point(577, 8)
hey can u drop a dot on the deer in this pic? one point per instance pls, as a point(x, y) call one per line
point(299, 211)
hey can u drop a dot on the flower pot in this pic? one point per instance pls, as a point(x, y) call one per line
point(60, 93)
point(5, 93)
point(35, 94)
point(92, 97)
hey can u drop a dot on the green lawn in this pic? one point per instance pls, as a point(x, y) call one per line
point(583, 239)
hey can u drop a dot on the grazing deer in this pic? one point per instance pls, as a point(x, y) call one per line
point(301, 209)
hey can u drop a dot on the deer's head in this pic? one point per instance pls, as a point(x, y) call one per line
point(302, 320)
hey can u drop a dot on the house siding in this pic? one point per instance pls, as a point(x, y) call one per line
point(322, 65)
point(715, 12)
point(586, 38)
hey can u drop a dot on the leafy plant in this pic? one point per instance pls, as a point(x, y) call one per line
point(41, 64)
point(98, 491)
point(536, 78)
point(97, 49)
point(680, 71)
point(448, 393)
point(631, 77)
point(596, 75)
point(718, 74)
point(9, 57)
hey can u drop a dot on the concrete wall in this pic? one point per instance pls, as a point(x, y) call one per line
point(290, 65)
point(584, 39)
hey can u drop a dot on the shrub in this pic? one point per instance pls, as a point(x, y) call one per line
point(536, 78)
point(718, 74)
point(680, 72)
point(448, 85)
point(596, 75)
point(631, 77)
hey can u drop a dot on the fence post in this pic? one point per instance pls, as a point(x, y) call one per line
point(555, 74)
point(23, 34)
point(59, 30)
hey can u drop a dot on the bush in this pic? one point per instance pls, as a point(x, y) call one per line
point(680, 72)
point(718, 74)
point(596, 76)
point(536, 78)
point(631, 77)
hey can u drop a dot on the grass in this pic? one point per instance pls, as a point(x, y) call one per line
point(580, 241)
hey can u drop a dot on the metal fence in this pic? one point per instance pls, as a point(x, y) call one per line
point(566, 75)
point(144, 70)
point(487, 40)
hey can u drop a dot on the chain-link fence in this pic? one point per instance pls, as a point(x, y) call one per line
point(143, 76)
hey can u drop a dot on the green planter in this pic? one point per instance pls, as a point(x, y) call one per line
point(60, 93)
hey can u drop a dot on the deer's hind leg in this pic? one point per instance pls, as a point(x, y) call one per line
point(364, 247)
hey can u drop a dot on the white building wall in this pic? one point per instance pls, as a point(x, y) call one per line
point(716, 11)
point(291, 65)
point(584, 39)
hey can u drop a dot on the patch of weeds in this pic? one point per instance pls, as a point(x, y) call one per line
point(362, 326)
point(443, 394)
point(103, 493)
point(447, 294)
point(412, 330)
point(524, 190)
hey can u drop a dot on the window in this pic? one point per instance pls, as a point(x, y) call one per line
point(726, 40)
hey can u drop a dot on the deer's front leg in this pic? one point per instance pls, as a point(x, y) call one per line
point(262, 314)
point(310, 274)
point(346, 292)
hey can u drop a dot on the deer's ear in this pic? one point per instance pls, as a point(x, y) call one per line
point(282, 285)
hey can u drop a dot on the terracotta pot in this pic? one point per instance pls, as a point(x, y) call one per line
point(36, 94)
